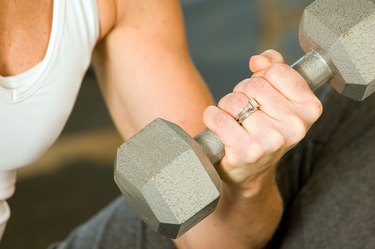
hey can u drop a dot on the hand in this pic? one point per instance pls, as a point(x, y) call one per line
point(287, 110)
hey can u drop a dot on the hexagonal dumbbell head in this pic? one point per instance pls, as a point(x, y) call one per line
point(343, 31)
point(166, 178)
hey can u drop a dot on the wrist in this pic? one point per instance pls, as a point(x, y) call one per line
point(258, 185)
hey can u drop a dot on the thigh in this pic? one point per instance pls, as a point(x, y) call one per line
point(114, 227)
point(328, 186)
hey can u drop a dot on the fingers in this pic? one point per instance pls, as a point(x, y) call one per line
point(287, 110)
point(264, 60)
point(265, 94)
point(235, 138)
point(257, 142)
point(270, 65)
point(280, 81)
point(273, 55)
point(275, 125)
point(285, 97)
point(258, 63)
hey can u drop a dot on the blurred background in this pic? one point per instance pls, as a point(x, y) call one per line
point(74, 179)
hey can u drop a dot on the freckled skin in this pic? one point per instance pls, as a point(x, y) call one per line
point(24, 34)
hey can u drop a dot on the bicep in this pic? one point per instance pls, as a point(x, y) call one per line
point(145, 70)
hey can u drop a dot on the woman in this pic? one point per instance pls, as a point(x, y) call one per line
point(141, 60)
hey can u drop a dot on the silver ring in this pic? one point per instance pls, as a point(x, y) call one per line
point(251, 107)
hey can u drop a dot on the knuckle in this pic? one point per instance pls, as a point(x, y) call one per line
point(296, 130)
point(254, 153)
point(208, 114)
point(241, 85)
point(269, 51)
point(277, 140)
point(316, 108)
point(223, 100)
point(256, 85)
point(236, 100)
point(275, 55)
point(222, 119)
point(232, 159)
point(276, 71)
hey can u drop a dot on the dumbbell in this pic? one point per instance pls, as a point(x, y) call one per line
point(168, 178)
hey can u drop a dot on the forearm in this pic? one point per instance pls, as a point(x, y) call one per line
point(250, 207)
point(240, 220)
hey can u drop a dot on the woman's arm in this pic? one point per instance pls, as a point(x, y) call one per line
point(250, 207)
point(145, 71)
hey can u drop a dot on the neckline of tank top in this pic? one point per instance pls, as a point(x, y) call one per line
point(17, 87)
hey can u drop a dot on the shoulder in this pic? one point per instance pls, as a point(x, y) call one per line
point(117, 14)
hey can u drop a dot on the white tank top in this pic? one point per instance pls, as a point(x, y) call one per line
point(35, 104)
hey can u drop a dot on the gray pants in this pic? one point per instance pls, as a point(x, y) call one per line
point(327, 183)
point(115, 227)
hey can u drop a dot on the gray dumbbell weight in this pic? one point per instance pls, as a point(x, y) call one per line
point(168, 177)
